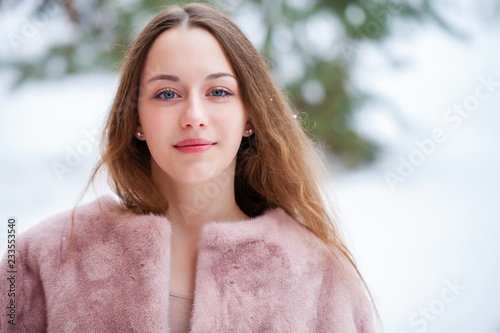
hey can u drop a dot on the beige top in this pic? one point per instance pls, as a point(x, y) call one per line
point(180, 312)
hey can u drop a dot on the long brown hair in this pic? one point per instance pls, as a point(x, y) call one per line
point(276, 167)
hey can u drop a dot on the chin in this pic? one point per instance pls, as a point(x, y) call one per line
point(210, 175)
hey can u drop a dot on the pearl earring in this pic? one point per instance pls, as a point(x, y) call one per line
point(249, 131)
point(140, 135)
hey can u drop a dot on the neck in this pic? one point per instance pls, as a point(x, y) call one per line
point(192, 205)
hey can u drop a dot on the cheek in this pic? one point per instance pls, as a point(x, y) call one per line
point(236, 116)
point(153, 121)
point(232, 127)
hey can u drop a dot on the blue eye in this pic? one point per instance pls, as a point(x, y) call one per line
point(167, 94)
point(220, 93)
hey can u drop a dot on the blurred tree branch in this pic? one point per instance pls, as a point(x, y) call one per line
point(321, 38)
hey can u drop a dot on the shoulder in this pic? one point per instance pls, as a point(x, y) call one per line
point(58, 227)
point(90, 224)
point(281, 259)
point(83, 213)
point(343, 299)
point(274, 229)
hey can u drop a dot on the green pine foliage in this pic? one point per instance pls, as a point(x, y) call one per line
point(321, 89)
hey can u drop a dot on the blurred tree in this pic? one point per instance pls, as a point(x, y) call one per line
point(312, 45)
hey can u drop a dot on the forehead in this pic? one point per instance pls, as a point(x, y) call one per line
point(186, 49)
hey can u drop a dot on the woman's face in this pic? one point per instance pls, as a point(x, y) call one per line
point(190, 108)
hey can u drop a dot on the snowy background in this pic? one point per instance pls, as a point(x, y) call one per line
point(427, 243)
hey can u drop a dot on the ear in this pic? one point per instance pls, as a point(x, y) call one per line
point(139, 133)
point(248, 131)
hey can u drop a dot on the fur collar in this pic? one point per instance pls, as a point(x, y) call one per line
point(267, 274)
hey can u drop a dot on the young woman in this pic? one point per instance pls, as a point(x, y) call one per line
point(220, 224)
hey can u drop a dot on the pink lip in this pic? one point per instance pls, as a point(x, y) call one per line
point(191, 146)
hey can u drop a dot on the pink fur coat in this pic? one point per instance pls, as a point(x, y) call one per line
point(267, 274)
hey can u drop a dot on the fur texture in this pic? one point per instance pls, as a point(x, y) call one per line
point(268, 274)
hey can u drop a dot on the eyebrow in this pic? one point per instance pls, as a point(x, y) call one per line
point(218, 75)
point(175, 78)
point(164, 77)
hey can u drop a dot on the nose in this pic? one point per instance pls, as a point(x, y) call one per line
point(194, 115)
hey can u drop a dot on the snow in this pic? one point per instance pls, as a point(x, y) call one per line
point(427, 243)
point(440, 224)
